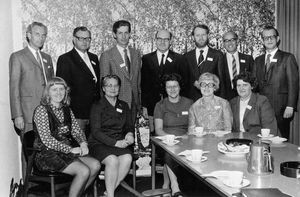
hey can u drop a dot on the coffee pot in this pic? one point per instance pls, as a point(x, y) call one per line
point(260, 159)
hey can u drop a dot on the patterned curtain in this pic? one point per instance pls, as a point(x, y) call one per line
point(288, 24)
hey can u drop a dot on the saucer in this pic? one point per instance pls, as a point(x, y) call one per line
point(171, 144)
point(277, 140)
point(189, 158)
point(269, 136)
point(244, 183)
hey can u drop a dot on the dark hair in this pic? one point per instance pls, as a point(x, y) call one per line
point(202, 26)
point(269, 27)
point(30, 26)
point(119, 24)
point(80, 28)
point(230, 32)
point(171, 77)
point(171, 35)
point(56, 81)
point(107, 77)
point(246, 77)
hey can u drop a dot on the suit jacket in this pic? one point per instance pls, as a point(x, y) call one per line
point(280, 84)
point(246, 64)
point(26, 83)
point(213, 63)
point(84, 90)
point(259, 114)
point(111, 62)
point(151, 77)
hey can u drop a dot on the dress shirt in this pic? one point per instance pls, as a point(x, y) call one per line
point(87, 61)
point(229, 63)
point(272, 55)
point(35, 52)
point(243, 106)
point(205, 51)
point(159, 56)
point(121, 50)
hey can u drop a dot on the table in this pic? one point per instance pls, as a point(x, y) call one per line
point(219, 161)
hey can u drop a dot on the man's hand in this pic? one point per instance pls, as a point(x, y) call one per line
point(19, 122)
point(288, 112)
point(145, 112)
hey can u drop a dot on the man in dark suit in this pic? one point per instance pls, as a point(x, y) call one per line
point(125, 62)
point(234, 63)
point(80, 69)
point(278, 79)
point(200, 60)
point(154, 66)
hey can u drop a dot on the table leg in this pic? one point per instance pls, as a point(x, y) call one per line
point(153, 166)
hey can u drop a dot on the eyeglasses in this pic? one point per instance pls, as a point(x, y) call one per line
point(112, 86)
point(230, 40)
point(81, 39)
point(209, 85)
point(163, 39)
point(172, 87)
point(265, 38)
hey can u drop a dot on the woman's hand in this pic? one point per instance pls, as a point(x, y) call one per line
point(76, 151)
point(84, 149)
point(129, 138)
point(121, 144)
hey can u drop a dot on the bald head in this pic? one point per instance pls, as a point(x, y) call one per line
point(163, 38)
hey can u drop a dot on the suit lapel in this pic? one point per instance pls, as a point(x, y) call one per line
point(31, 57)
point(242, 62)
point(236, 108)
point(119, 61)
point(80, 62)
point(250, 105)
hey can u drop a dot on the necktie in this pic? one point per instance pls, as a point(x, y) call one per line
point(200, 58)
point(234, 70)
point(127, 61)
point(38, 58)
point(162, 60)
point(268, 62)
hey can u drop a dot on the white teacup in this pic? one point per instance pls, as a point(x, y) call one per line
point(198, 131)
point(236, 177)
point(169, 138)
point(197, 154)
point(265, 132)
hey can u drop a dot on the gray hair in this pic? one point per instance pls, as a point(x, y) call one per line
point(208, 76)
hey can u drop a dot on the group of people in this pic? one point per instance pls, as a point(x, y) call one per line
point(95, 102)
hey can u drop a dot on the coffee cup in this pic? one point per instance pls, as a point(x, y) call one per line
point(236, 177)
point(169, 138)
point(198, 131)
point(265, 132)
point(197, 154)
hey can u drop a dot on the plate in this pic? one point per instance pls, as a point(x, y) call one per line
point(223, 150)
point(239, 141)
point(171, 144)
point(277, 140)
point(220, 133)
point(244, 183)
point(271, 135)
point(189, 158)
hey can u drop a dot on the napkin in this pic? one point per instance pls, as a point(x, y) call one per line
point(164, 137)
point(263, 192)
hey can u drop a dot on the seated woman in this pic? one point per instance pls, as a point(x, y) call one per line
point(210, 112)
point(252, 111)
point(112, 133)
point(56, 129)
point(171, 117)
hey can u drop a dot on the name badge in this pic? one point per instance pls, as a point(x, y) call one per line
point(273, 60)
point(122, 65)
point(93, 62)
point(217, 107)
point(210, 59)
point(249, 107)
point(185, 113)
point(119, 110)
point(242, 61)
point(44, 60)
point(169, 60)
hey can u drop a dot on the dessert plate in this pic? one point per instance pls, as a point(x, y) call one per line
point(171, 144)
point(189, 158)
point(244, 183)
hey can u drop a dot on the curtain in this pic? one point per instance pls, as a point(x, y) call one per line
point(288, 25)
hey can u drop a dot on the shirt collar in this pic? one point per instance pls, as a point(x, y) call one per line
point(33, 51)
point(160, 53)
point(272, 52)
point(121, 49)
point(205, 49)
point(80, 52)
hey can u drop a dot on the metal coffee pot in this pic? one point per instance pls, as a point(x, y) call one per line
point(260, 159)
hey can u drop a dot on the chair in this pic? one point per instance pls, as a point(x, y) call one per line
point(56, 180)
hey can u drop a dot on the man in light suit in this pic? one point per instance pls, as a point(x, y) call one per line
point(202, 59)
point(29, 71)
point(80, 69)
point(154, 66)
point(125, 62)
point(278, 79)
point(234, 63)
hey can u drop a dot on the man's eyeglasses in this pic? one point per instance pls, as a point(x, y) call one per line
point(230, 40)
point(265, 38)
point(163, 39)
point(209, 85)
point(81, 39)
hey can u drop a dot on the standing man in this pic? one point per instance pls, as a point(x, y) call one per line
point(203, 59)
point(234, 63)
point(29, 71)
point(80, 69)
point(125, 62)
point(154, 66)
point(278, 79)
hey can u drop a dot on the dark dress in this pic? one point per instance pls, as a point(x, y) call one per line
point(56, 130)
point(108, 125)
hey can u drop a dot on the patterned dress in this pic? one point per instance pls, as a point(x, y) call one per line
point(55, 141)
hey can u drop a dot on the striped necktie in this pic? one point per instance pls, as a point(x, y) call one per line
point(200, 58)
point(127, 61)
point(234, 70)
point(268, 62)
